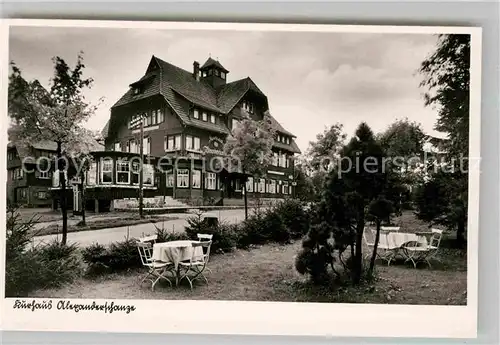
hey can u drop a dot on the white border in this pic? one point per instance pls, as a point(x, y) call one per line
point(268, 318)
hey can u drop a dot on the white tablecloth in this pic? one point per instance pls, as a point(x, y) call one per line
point(175, 251)
point(397, 239)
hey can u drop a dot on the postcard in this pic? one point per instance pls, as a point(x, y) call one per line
point(238, 178)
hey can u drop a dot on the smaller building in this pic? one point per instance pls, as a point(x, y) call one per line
point(29, 175)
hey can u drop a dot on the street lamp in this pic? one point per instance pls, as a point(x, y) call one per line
point(139, 122)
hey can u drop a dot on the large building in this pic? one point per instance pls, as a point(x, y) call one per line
point(189, 114)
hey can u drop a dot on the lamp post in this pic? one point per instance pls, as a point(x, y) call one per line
point(139, 121)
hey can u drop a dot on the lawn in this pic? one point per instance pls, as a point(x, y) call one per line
point(267, 273)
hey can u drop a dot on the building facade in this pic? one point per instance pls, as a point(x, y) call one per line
point(29, 175)
point(188, 116)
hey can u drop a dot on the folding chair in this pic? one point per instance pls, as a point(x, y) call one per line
point(150, 238)
point(156, 269)
point(204, 237)
point(423, 250)
point(387, 250)
point(197, 263)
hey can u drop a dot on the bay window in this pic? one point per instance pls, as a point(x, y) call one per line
point(107, 171)
point(182, 178)
point(196, 179)
point(210, 181)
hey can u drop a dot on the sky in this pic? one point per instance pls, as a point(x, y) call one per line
point(312, 79)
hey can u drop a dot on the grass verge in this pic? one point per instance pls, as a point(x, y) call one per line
point(97, 224)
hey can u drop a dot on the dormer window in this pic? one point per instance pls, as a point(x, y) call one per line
point(223, 75)
point(136, 90)
point(216, 72)
point(196, 114)
point(205, 116)
point(212, 118)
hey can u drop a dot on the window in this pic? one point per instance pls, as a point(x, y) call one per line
point(196, 179)
point(248, 107)
point(283, 161)
point(182, 178)
point(284, 188)
point(42, 195)
point(122, 172)
point(261, 186)
point(210, 181)
point(237, 185)
point(132, 146)
point(136, 90)
point(169, 178)
point(216, 72)
point(172, 142)
point(204, 73)
point(43, 174)
point(161, 115)
point(18, 173)
point(148, 174)
point(204, 115)
point(212, 118)
point(135, 169)
point(117, 147)
point(106, 171)
point(196, 114)
point(271, 187)
point(189, 142)
point(192, 143)
point(147, 146)
point(223, 75)
point(23, 193)
point(234, 124)
point(275, 159)
point(91, 174)
point(210, 72)
point(249, 185)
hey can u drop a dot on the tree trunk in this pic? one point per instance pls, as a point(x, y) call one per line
point(461, 234)
point(375, 246)
point(83, 199)
point(246, 200)
point(62, 194)
point(358, 259)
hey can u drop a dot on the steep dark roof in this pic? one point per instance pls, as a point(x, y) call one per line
point(175, 83)
point(211, 62)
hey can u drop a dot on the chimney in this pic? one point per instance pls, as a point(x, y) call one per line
point(196, 70)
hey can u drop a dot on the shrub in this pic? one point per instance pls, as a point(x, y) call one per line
point(164, 235)
point(252, 231)
point(117, 257)
point(294, 217)
point(224, 235)
point(316, 254)
point(40, 267)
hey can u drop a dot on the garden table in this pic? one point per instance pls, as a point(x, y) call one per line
point(393, 243)
point(175, 252)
